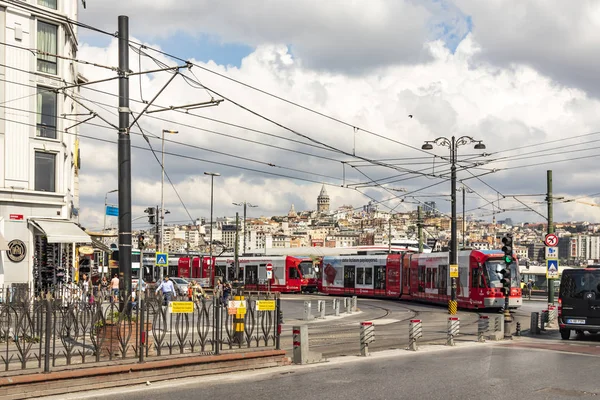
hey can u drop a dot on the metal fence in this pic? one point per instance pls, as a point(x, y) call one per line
point(59, 329)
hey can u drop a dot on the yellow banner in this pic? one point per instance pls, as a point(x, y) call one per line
point(235, 311)
point(265, 305)
point(181, 307)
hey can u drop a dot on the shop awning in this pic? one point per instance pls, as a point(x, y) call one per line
point(3, 243)
point(97, 244)
point(61, 231)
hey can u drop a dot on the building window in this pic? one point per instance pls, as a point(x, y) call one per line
point(48, 3)
point(45, 171)
point(46, 113)
point(47, 42)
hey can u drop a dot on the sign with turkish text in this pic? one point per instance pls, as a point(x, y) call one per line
point(181, 307)
point(453, 270)
point(265, 305)
point(112, 211)
point(16, 217)
point(236, 307)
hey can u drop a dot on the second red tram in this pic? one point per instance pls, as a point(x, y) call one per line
point(424, 277)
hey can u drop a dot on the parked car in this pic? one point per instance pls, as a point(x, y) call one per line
point(579, 301)
point(181, 286)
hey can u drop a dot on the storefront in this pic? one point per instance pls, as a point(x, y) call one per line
point(55, 251)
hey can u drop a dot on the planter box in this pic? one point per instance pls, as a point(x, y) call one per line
point(113, 334)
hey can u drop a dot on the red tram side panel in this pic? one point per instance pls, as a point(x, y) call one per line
point(424, 277)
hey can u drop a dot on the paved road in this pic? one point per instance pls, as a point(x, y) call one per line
point(473, 371)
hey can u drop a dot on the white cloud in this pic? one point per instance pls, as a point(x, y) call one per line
point(513, 108)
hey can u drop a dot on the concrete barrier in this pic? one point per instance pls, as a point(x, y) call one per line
point(308, 311)
point(336, 307)
point(301, 352)
point(483, 326)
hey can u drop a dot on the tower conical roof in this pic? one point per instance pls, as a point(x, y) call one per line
point(323, 192)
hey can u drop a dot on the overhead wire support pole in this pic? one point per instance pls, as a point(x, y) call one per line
point(124, 158)
point(550, 228)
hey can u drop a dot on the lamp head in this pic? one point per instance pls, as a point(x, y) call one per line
point(427, 146)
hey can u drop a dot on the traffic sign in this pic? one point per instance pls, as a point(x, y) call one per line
point(269, 267)
point(454, 271)
point(551, 240)
point(162, 259)
point(552, 269)
point(112, 211)
point(269, 274)
point(551, 253)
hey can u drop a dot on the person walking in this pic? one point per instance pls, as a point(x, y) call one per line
point(114, 288)
point(85, 289)
point(103, 288)
point(226, 293)
point(168, 290)
point(218, 292)
point(529, 289)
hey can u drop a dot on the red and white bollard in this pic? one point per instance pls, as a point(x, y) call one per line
point(367, 335)
point(415, 331)
point(453, 328)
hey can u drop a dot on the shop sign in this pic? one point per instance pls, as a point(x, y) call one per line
point(16, 250)
point(86, 250)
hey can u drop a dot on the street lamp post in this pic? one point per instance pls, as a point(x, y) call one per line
point(212, 177)
point(245, 204)
point(106, 204)
point(453, 144)
point(162, 191)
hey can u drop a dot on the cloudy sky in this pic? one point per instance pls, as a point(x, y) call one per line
point(322, 93)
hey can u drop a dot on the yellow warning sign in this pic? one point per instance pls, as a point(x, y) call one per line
point(453, 270)
point(236, 307)
point(181, 307)
point(265, 305)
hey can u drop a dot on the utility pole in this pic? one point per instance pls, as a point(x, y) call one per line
point(420, 228)
point(550, 228)
point(157, 241)
point(390, 235)
point(237, 241)
point(124, 157)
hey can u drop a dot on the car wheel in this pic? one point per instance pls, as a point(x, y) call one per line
point(565, 334)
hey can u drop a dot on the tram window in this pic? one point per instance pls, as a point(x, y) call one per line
point(368, 276)
point(360, 276)
point(380, 277)
point(251, 274)
point(476, 278)
point(293, 273)
point(421, 273)
point(443, 276)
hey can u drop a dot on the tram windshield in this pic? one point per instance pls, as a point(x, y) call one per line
point(493, 268)
point(307, 269)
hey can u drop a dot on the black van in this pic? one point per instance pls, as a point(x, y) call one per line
point(579, 301)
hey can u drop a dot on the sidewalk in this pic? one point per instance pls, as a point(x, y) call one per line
point(81, 378)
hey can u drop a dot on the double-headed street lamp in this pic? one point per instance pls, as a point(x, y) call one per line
point(162, 191)
point(212, 177)
point(245, 204)
point(453, 144)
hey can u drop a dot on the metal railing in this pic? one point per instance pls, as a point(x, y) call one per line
point(61, 328)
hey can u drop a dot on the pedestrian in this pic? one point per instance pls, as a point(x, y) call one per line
point(226, 293)
point(190, 291)
point(168, 290)
point(218, 292)
point(114, 288)
point(529, 288)
point(103, 288)
point(85, 288)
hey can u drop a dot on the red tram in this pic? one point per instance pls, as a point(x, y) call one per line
point(287, 271)
point(424, 277)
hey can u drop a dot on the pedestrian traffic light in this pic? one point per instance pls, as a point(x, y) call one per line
point(151, 211)
point(508, 248)
point(141, 242)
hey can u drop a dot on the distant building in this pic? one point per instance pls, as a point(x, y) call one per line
point(323, 201)
point(430, 208)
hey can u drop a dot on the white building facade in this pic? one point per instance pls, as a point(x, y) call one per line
point(39, 166)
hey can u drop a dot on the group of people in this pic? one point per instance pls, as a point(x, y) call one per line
point(527, 288)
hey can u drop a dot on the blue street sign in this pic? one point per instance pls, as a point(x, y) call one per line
point(162, 259)
point(112, 211)
point(552, 271)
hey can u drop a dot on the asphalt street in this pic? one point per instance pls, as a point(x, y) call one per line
point(467, 371)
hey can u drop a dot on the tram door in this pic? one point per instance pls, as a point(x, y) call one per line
point(349, 278)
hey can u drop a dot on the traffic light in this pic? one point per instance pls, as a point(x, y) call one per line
point(505, 280)
point(151, 211)
point(508, 248)
point(141, 241)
